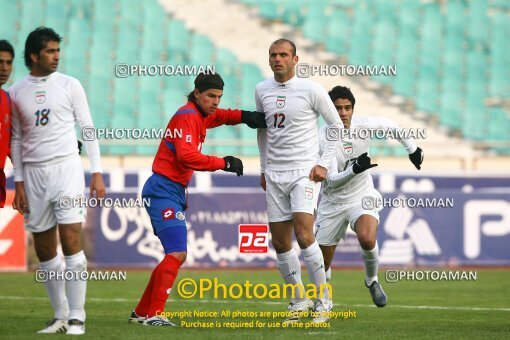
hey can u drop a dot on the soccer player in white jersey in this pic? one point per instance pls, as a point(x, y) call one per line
point(48, 171)
point(291, 169)
point(349, 182)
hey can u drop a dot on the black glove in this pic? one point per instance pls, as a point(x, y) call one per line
point(362, 163)
point(79, 147)
point(233, 164)
point(417, 158)
point(254, 119)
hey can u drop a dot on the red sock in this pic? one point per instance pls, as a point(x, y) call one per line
point(145, 301)
point(164, 277)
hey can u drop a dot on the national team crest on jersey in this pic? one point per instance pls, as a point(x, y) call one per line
point(280, 101)
point(308, 193)
point(40, 97)
point(348, 148)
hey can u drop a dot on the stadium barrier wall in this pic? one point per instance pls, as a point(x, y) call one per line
point(475, 231)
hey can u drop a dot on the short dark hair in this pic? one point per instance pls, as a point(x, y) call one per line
point(283, 40)
point(37, 40)
point(6, 46)
point(342, 92)
point(204, 82)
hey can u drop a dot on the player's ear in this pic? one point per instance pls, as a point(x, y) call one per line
point(196, 92)
point(34, 57)
point(296, 59)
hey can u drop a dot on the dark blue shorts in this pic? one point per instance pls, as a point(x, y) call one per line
point(167, 203)
point(174, 239)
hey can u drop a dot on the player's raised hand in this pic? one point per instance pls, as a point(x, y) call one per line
point(362, 163)
point(417, 158)
point(20, 202)
point(254, 119)
point(97, 185)
point(233, 164)
point(318, 173)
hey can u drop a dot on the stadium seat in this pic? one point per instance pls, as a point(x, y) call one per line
point(225, 139)
point(250, 76)
point(315, 23)
point(58, 12)
point(178, 36)
point(249, 145)
point(202, 50)
point(270, 9)
point(384, 47)
point(363, 20)
point(10, 19)
point(226, 62)
point(338, 32)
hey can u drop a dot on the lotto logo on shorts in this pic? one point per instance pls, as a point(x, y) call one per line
point(253, 238)
point(168, 214)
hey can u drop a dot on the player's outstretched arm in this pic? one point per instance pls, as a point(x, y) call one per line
point(338, 179)
point(417, 158)
point(220, 117)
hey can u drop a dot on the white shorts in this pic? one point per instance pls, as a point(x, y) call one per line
point(288, 192)
point(333, 219)
point(46, 185)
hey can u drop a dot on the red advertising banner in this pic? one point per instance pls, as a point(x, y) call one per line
point(13, 248)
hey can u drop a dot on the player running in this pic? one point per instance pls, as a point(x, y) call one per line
point(6, 59)
point(46, 105)
point(291, 169)
point(348, 183)
point(176, 160)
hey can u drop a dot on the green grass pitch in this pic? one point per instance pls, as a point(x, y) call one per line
point(416, 309)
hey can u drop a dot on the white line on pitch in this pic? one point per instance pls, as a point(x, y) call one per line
point(267, 303)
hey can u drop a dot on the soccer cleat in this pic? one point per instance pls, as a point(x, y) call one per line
point(76, 327)
point(322, 310)
point(135, 318)
point(158, 321)
point(54, 326)
point(378, 295)
point(297, 308)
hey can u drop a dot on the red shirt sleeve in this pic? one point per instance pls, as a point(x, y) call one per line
point(187, 147)
point(223, 117)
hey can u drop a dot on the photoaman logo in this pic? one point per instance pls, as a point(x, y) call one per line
point(253, 238)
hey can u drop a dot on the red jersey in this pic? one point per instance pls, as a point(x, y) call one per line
point(179, 153)
point(5, 139)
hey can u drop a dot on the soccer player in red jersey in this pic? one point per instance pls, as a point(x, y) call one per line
point(6, 58)
point(178, 156)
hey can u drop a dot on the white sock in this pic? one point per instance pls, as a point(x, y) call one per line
point(76, 288)
point(328, 274)
point(55, 287)
point(315, 264)
point(290, 270)
point(371, 259)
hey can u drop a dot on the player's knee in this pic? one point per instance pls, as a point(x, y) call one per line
point(304, 238)
point(281, 246)
point(181, 256)
point(366, 241)
point(45, 252)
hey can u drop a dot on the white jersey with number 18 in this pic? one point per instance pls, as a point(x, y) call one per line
point(45, 112)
